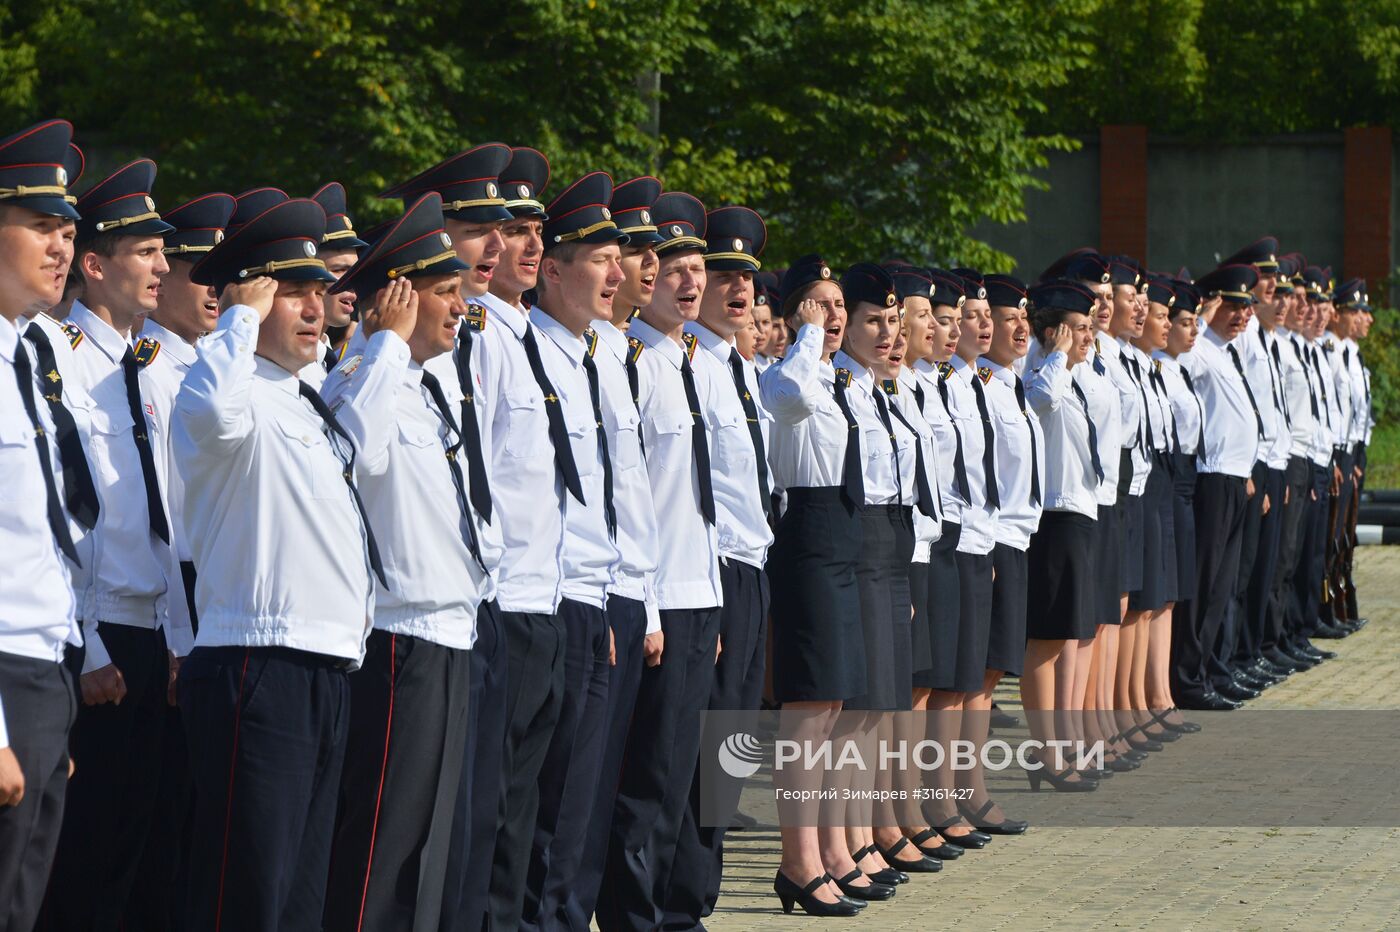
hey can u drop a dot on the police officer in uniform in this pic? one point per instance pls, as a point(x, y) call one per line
point(37, 691)
point(265, 695)
point(340, 248)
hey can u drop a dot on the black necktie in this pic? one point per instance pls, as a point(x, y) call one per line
point(347, 472)
point(1136, 372)
point(989, 453)
point(1364, 378)
point(884, 412)
point(330, 358)
point(959, 467)
point(79, 493)
point(1159, 388)
point(58, 524)
point(595, 396)
point(471, 431)
point(558, 433)
point(467, 524)
point(1322, 387)
point(921, 483)
point(1200, 410)
point(1281, 395)
point(736, 368)
point(919, 397)
point(1035, 455)
point(699, 441)
point(852, 479)
point(131, 370)
point(1093, 433)
point(1307, 377)
point(1239, 367)
point(1099, 367)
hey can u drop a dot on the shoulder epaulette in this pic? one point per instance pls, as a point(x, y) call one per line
point(985, 374)
point(146, 350)
point(75, 336)
point(843, 377)
point(945, 369)
point(476, 317)
point(891, 386)
point(348, 367)
point(634, 349)
point(633, 314)
point(1158, 364)
point(691, 341)
point(590, 339)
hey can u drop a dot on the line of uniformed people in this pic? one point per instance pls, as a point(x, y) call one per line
point(382, 577)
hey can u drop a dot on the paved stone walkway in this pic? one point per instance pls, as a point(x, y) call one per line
point(1270, 879)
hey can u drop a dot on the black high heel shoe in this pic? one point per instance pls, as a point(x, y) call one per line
point(1183, 727)
point(790, 893)
point(1004, 827)
point(924, 865)
point(973, 839)
point(871, 892)
point(944, 852)
point(1147, 744)
point(1061, 781)
point(885, 875)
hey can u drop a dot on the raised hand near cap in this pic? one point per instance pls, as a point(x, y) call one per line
point(256, 293)
point(810, 312)
point(1062, 339)
point(395, 308)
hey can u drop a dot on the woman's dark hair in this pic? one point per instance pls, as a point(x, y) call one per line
point(1048, 318)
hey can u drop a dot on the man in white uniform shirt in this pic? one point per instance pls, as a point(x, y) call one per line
point(285, 599)
point(38, 622)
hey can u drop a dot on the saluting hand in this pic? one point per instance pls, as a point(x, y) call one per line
point(105, 684)
point(1062, 339)
point(11, 778)
point(810, 312)
point(256, 293)
point(395, 308)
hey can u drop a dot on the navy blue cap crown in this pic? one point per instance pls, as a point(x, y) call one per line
point(1124, 270)
point(73, 164)
point(413, 246)
point(973, 288)
point(1060, 268)
point(1351, 295)
point(1005, 291)
point(1297, 263)
point(910, 282)
point(1188, 297)
point(631, 209)
point(1318, 283)
point(523, 182)
point(1234, 283)
point(122, 203)
point(281, 243)
point(581, 214)
point(1161, 291)
point(765, 288)
point(1287, 266)
point(1063, 293)
point(867, 282)
point(469, 183)
point(681, 221)
point(253, 203)
point(949, 290)
point(805, 271)
point(198, 225)
point(35, 169)
point(735, 237)
point(340, 231)
point(1262, 254)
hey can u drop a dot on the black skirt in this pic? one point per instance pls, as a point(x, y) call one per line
point(818, 644)
point(1006, 644)
point(1184, 525)
point(1134, 542)
point(1060, 577)
point(942, 617)
point(1107, 568)
point(1159, 584)
point(883, 580)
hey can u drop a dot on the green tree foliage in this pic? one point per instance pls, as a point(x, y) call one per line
point(860, 128)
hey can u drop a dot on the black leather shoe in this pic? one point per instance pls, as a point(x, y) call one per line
point(1263, 668)
point(1214, 702)
point(870, 891)
point(1251, 680)
point(978, 820)
point(1281, 663)
point(1183, 726)
point(924, 865)
point(943, 851)
point(885, 875)
point(1303, 661)
point(1313, 653)
point(790, 893)
point(972, 840)
point(1134, 754)
point(1141, 744)
point(1122, 764)
point(1232, 690)
point(1331, 632)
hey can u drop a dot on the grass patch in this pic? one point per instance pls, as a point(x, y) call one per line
point(1383, 458)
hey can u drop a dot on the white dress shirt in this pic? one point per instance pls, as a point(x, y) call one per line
point(1070, 481)
point(1016, 429)
point(1329, 415)
point(37, 608)
point(1339, 385)
point(272, 524)
point(1131, 383)
point(590, 553)
point(912, 398)
point(1185, 406)
point(1106, 408)
point(526, 490)
point(978, 518)
point(1360, 398)
point(809, 434)
point(637, 542)
point(1253, 347)
point(1160, 422)
point(687, 574)
point(135, 575)
point(1231, 429)
point(1304, 401)
point(410, 496)
point(887, 454)
point(938, 415)
point(314, 373)
point(742, 524)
